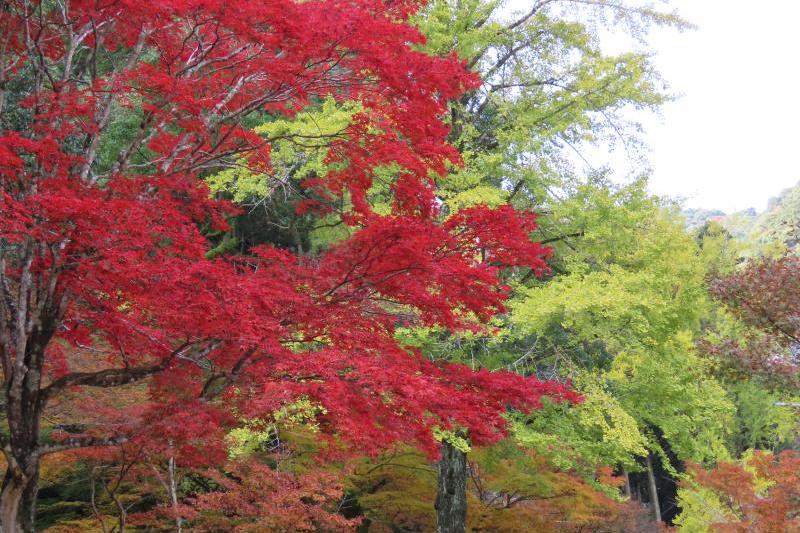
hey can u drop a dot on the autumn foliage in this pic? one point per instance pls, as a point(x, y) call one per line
point(760, 496)
point(307, 502)
point(172, 362)
point(766, 295)
point(509, 489)
point(105, 278)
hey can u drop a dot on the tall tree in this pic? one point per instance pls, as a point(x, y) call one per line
point(549, 89)
point(103, 267)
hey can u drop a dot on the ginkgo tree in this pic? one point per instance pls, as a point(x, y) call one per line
point(549, 90)
point(112, 113)
point(635, 284)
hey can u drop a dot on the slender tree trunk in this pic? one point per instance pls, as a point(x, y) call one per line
point(627, 487)
point(11, 501)
point(29, 496)
point(173, 495)
point(451, 495)
point(651, 478)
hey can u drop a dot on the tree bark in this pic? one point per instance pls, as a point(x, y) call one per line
point(18, 494)
point(651, 478)
point(23, 411)
point(451, 495)
point(627, 486)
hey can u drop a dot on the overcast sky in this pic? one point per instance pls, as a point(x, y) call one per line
point(733, 139)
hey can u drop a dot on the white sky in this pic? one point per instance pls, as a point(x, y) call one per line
point(733, 139)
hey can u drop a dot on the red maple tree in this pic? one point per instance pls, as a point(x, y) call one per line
point(104, 278)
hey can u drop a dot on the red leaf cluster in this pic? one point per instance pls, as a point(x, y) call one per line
point(105, 254)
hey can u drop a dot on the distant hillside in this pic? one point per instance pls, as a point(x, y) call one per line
point(739, 224)
point(778, 225)
point(781, 221)
point(697, 216)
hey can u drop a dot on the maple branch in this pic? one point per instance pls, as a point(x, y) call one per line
point(103, 112)
point(111, 377)
point(773, 323)
point(93, 499)
point(20, 336)
point(220, 381)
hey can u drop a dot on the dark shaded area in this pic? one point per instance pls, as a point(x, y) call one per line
point(666, 485)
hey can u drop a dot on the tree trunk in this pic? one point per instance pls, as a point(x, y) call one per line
point(18, 496)
point(23, 411)
point(173, 495)
point(627, 486)
point(451, 495)
point(651, 478)
point(38, 309)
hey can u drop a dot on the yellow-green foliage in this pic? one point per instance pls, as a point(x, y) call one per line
point(450, 27)
point(700, 508)
point(478, 195)
point(248, 439)
point(598, 431)
point(554, 92)
point(636, 284)
point(458, 441)
point(636, 278)
point(759, 422)
point(299, 147)
point(301, 411)
point(396, 490)
point(254, 434)
point(719, 251)
point(670, 388)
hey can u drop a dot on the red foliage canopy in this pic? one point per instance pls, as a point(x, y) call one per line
point(766, 295)
point(106, 254)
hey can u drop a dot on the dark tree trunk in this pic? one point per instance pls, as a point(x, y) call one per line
point(651, 480)
point(29, 495)
point(23, 412)
point(451, 494)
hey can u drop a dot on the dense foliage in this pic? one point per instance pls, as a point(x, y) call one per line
point(261, 260)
